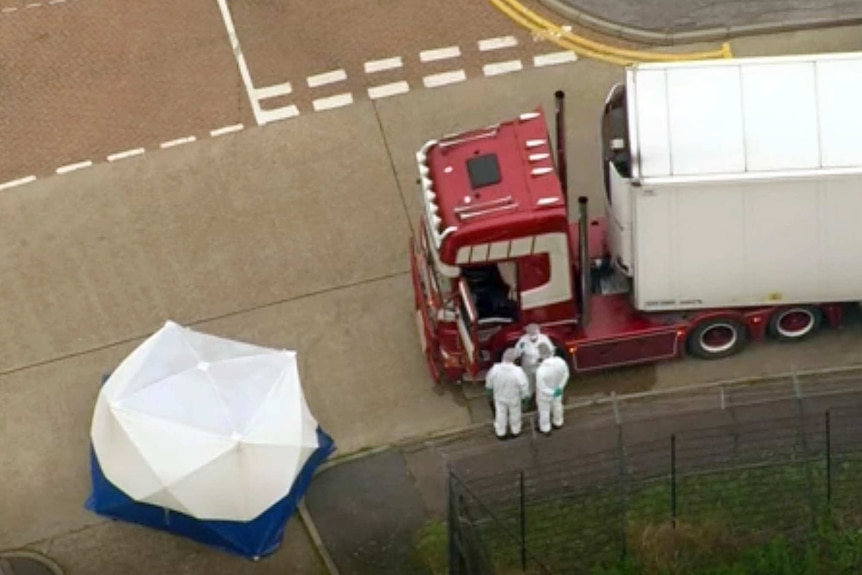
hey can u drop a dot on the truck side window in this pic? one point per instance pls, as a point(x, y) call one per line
point(533, 271)
point(618, 146)
point(615, 145)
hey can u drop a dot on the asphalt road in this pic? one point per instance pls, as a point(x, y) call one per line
point(90, 81)
point(83, 79)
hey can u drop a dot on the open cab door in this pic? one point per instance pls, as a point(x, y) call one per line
point(468, 320)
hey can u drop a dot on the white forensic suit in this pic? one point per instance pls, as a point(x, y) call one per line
point(508, 382)
point(551, 378)
point(528, 351)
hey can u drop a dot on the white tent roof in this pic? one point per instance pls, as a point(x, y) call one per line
point(209, 427)
point(746, 115)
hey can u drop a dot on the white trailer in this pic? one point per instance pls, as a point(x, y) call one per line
point(737, 182)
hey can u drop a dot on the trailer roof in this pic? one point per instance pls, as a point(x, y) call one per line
point(745, 116)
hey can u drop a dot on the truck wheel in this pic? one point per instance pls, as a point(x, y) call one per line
point(794, 323)
point(717, 338)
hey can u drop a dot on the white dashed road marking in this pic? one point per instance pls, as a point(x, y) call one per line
point(273, 115)
point(73, 167)
point(12, 9)
point(263, 116)
point(332, 102)
point(437, 80)
point(440, 54)
point(554, 58)
point(384, 64)
point(502, 68)
point(126, 154)
point(284, 113)
point(273, 91)
point(177, 142)
point(388, 90)
point(497, 43)
point(226, 130)
point(18, 182)
point(326, 78)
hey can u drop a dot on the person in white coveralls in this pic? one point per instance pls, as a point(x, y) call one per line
point(552, 375)
point(507, 383)
point(528, 352)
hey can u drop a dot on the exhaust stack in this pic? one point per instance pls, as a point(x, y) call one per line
point(560, 123)
point(584, 256)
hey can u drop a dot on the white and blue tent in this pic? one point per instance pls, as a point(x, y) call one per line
point(207, 438)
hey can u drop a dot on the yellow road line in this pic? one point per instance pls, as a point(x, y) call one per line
point(590, 48)
point(547, 35)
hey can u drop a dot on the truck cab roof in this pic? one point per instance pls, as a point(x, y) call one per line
point(489, 186)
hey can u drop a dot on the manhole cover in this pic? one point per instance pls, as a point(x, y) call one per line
point(27, 563)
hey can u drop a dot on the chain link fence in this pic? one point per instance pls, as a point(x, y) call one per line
point(666, 479)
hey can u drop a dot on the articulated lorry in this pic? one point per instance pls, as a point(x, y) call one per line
point(733, 212)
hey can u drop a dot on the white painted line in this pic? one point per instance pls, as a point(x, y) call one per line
point(436, 80)
point(9, 10)
point(502, 67)
point(326, 78)
point(386, 90)
point(332, 102)
point(554, 58)
point(34, 5)
point(54, 2)
point(279, 114)
point(226, 130)
point(440, 54)
point(126, 154)
point(240, 60)
point(177, 142)
point(273, 91)
point(497, 43)
point(385, 64)
point(73, 167)
point(18, 182)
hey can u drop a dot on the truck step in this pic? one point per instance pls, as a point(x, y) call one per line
point(613, 283)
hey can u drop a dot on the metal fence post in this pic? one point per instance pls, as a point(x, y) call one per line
point(453, 560)
point(803, 439)
point(828, 460)
point(621, 470)
point(523, 525)
point(673, 479)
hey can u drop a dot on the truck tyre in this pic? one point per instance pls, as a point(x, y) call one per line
point(795, 323)
point(717, 338)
